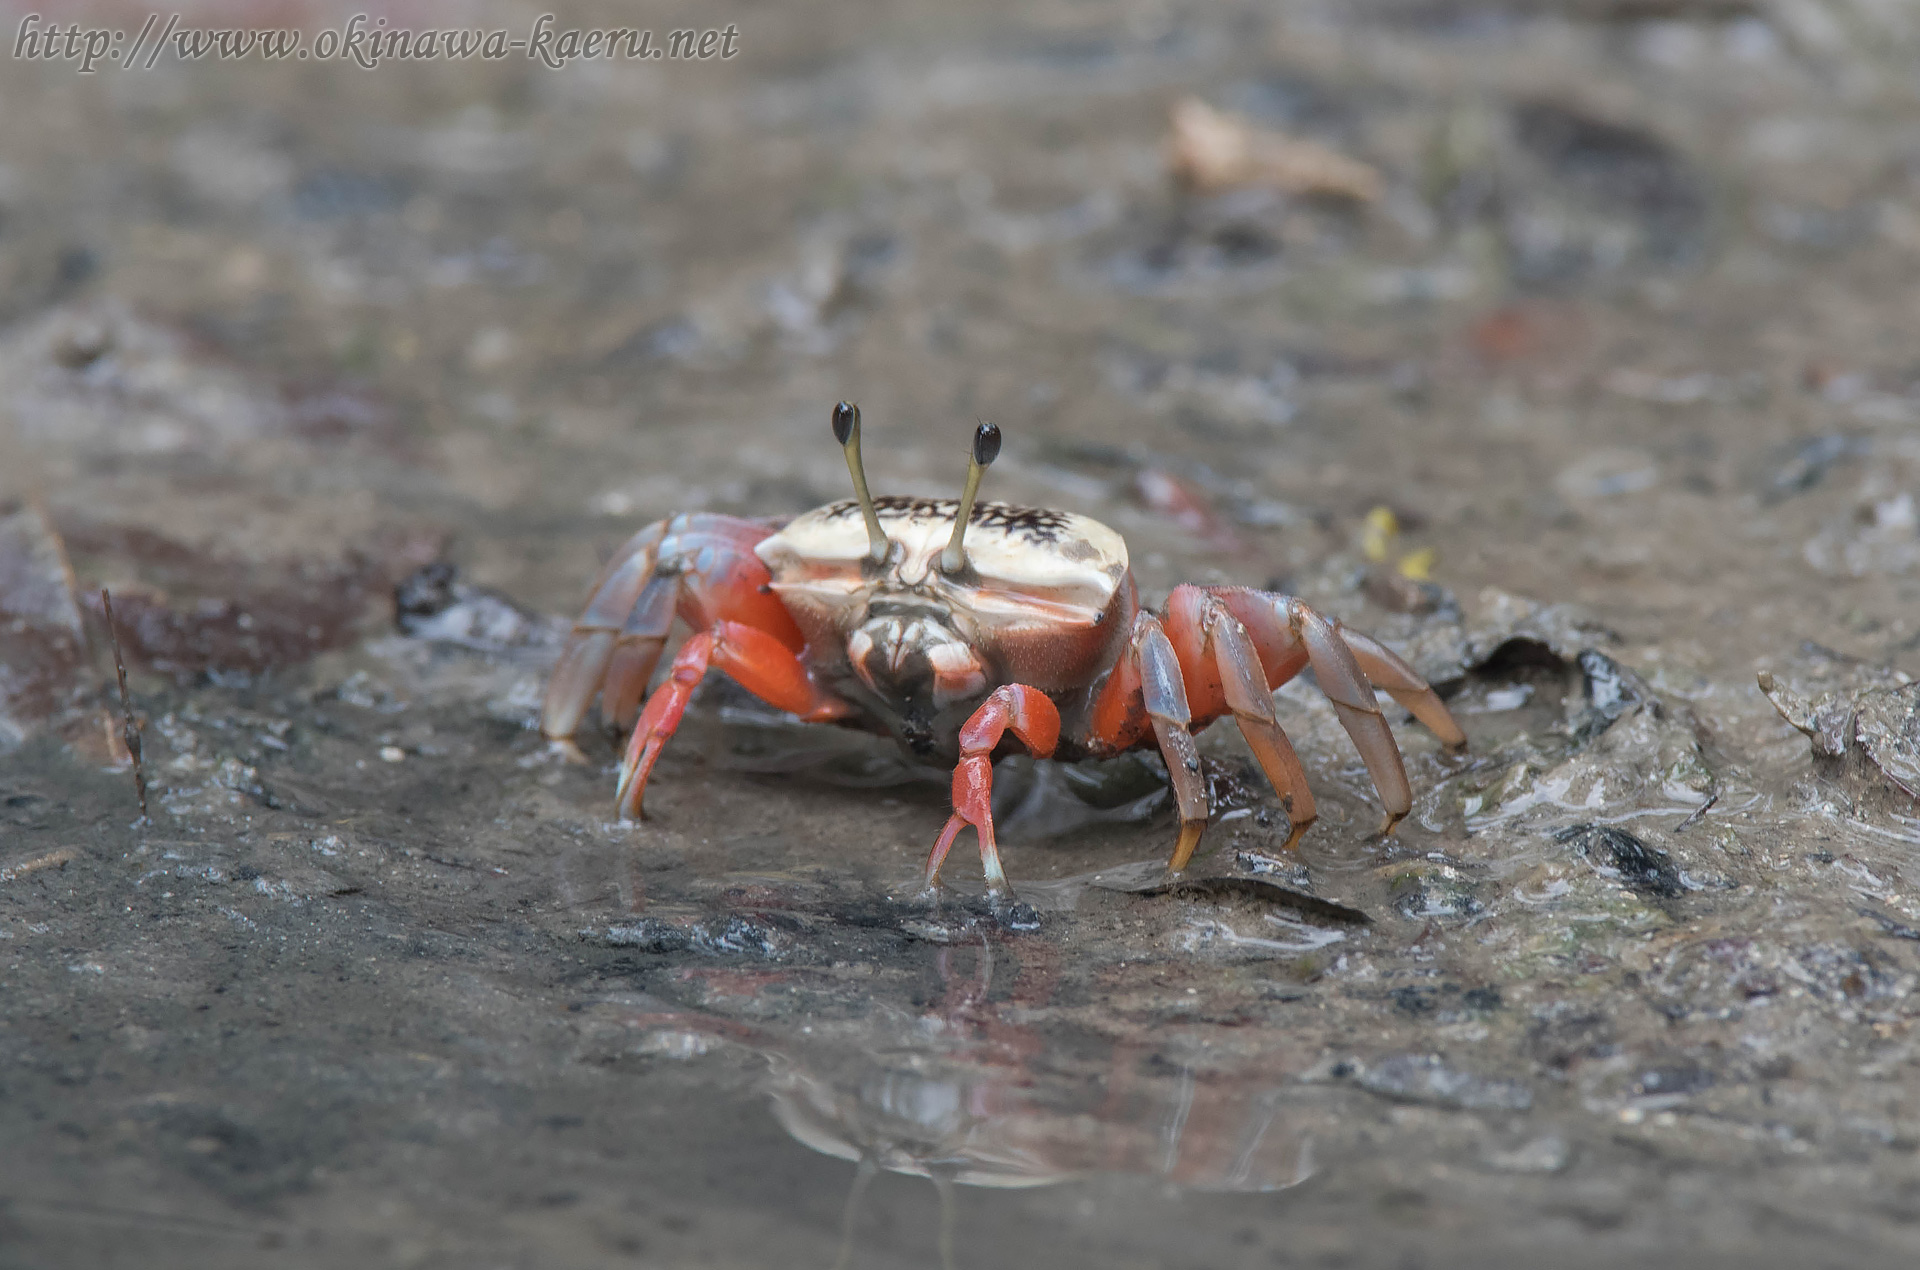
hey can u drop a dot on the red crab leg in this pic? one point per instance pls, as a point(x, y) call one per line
point(1147, 691)
point(1289, 635)
point(637, 651)
point(1346, 686)
point(1282, 653)
point(1386, 671)
point(757, 661)
point(1223, 670)
point(1034, 719)
point(583, 663)
point(699, 566)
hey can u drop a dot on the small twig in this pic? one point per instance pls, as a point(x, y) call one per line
point(129, 727)
point(57, 859)
point(1699, 811)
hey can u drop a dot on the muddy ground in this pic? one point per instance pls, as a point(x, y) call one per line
point(1622, 337)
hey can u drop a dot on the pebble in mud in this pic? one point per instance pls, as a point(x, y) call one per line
point(1619, 853)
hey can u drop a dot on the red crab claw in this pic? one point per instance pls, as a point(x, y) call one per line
point(1033, 718)
point(757, 661)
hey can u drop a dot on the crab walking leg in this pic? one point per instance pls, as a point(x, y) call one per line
point(570, 689)
point(1243, 685)
point(699, 566)
point(1340, 677)
point(1290, 635)
point(1268, 619)
point(637, 651)
point(1164, 694)
point(757, 661)
point(1032, 717)
point(1385, 670)
point(590, 645)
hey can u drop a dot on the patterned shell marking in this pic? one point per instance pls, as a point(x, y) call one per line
point(1022, 558)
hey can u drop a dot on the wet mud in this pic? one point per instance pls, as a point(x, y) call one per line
point(1563, 347)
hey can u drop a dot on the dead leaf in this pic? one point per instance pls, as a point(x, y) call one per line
point(1212, 150)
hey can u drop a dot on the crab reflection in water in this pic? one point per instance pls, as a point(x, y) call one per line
point(963, 1097)
point(980, 1127)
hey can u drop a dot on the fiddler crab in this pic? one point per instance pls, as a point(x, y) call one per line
point(951, 624)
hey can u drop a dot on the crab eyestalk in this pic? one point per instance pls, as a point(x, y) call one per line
point(846, 430)
point(986, 447)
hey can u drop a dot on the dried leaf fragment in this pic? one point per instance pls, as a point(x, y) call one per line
point(1212, 150)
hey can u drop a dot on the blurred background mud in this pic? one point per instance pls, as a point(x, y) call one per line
point(1568, 347)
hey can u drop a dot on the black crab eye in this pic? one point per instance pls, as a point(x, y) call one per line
point(845, 416)
point(986, 444)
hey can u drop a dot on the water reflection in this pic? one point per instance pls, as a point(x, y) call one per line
point(979, 1127)
point(959, 1125)
point(963, 1093)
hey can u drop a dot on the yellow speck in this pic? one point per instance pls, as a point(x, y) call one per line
point(392, 754)
point(1418, 565)
point(1378, 532)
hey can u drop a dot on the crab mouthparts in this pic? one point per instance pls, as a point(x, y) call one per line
point(902, 659)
